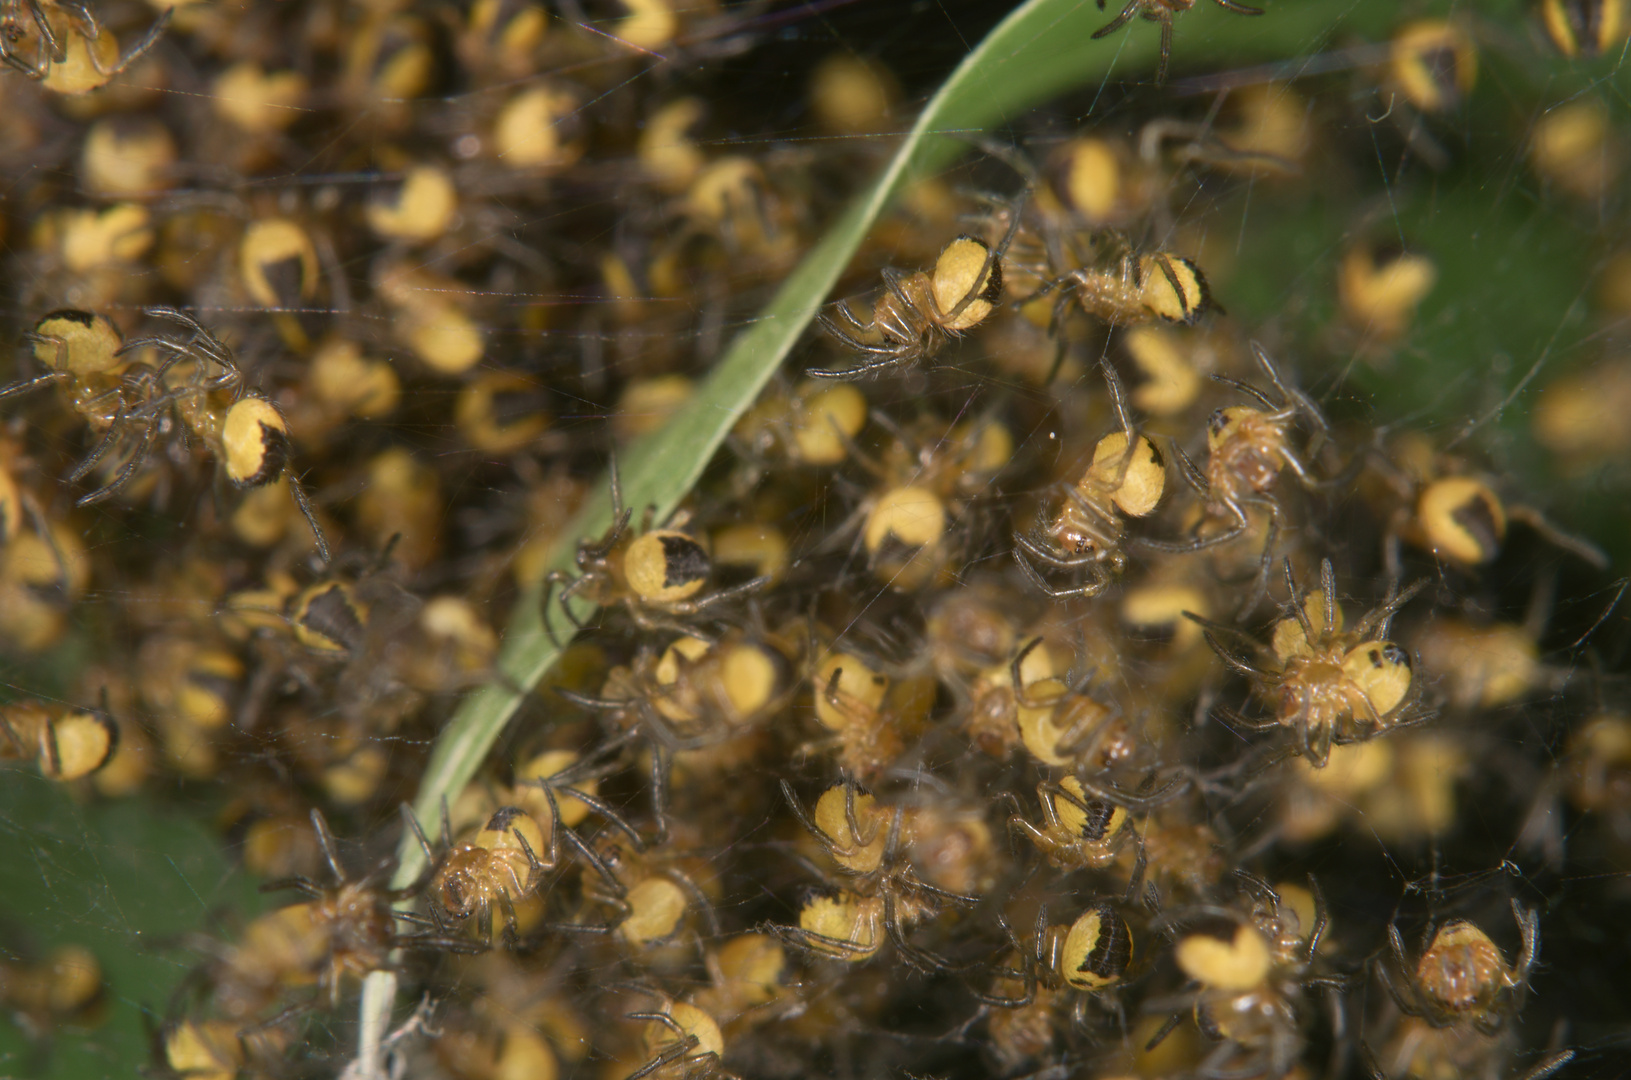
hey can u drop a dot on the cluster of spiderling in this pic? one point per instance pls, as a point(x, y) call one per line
point(1052, 675)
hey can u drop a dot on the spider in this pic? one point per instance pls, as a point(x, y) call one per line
point(1092, 954)
point(1328, 684)
point(1118, 286)
point(1442, 506)
point(1136, 290)
point(929, 475)
point(919, 313)
point(684, 1041)
point(345, 929)
point(873, 714)
point(651, 892)
point(656, 574)
point(502, 864)
point(1247, 447)
point(1080, 830)
point(84, 63)
point(1059, 722)
point(135, 401)
point(1250, 968)
point(867, 842)
point(1461, 976)
point(697, 693)
point(1127, 477)
point(66, 742)
point(1163, 12)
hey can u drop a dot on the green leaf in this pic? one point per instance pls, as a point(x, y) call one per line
point(122, 879)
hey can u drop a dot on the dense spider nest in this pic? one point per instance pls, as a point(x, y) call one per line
point(1119, 643)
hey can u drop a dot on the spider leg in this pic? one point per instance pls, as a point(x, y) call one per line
point(298, 490)
point(676, 1053)
point(1574, 545)
point(1141, 803)
point(1141, 862)
point(1297, 604)
point(691, 607)
point(1053, 559)
point(17, 63)
point(1166, 1029)
point(573, 587)
point(991, 266)
point(1260, 581)
point(918, 959)
point(1322, 919)
point(325, 840)
point(1249, 390)
point(100, 450)
point(551, 579)
point(1132, 8)
point(19, 388)
point(48, 36)
point(1187, 468)
point(820, 944)
point(826, 841)
point(859, 345)
point(889, 358)
point(1089, 589)
point(1237, 8)
point(1118, 400)
point(42, 528)
point(846, 313)
point(126, 473)
point(659, 799)
point(1548, 1065)
point(597, 862)
point(1018, 681)
point(1232, 662)
point(1380, 619)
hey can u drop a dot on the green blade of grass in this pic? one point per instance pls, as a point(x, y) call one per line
point(1042, 49)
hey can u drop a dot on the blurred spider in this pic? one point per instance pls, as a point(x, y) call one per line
point(1461, 976)
point(1247, 448)
point(340, 930)
point(684, 1041)
point(1127, 477)
point(47, 23)
point(1163, 12)
point(1251, 968)
point(868, 843)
